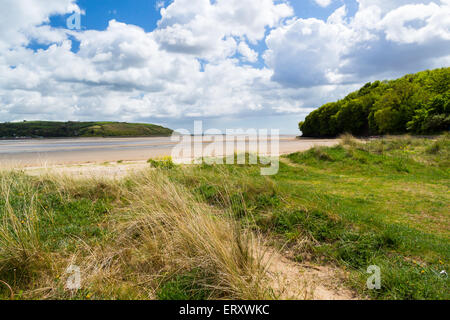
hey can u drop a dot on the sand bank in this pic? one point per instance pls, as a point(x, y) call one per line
point(57, 152)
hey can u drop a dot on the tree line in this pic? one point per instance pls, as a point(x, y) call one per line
point(416, 103)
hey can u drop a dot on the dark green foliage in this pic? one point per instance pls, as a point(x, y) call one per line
point(184, 287)
point(433, 117)
point(318, 225)
point(48, 129)
point(418, 103)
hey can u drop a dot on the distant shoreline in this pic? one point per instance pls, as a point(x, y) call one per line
point(142, 137)
point(62, 138)
point(36, 152)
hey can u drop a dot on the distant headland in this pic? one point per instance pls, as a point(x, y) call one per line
point(72, 129)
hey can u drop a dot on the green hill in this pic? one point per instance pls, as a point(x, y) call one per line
point(417, 104)
point(48, 129)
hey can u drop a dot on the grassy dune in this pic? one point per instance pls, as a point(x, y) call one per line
point(199, 232)
point(49, 129)
point(130, 239)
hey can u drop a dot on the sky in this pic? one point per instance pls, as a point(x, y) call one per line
point(262, 64)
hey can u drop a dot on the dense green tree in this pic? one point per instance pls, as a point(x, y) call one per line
point(417, 103)
point(432, 117)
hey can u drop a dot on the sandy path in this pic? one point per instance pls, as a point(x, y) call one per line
point(305, 281)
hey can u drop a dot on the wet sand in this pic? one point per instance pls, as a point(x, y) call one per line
point(49, 152)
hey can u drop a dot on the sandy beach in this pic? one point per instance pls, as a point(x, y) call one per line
point(50, 152)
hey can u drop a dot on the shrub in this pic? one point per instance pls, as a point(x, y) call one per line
point(162, 163)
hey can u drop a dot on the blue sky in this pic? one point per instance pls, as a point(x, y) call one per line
point(99, 12)
point(145, 13)
point(230, 63)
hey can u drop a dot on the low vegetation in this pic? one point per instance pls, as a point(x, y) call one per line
point(199, 232)
point(384, 203)
point(48, 129)
point(417, 104)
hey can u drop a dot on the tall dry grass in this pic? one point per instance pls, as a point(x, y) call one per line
point(179, 234)
point(158, 231)
point(19, 235)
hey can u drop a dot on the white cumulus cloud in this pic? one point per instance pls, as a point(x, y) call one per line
point(374, 43)
point(323, 3)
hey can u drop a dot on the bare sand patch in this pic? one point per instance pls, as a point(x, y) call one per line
point(107, 170)
point(305, 281)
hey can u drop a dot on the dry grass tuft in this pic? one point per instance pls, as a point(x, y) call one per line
point(19, 235)
point(349, 140)
point(179, 235)
point(158, 232)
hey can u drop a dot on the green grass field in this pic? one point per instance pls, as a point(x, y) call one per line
point(188, 232)
point(49, 129)
point(383, 203)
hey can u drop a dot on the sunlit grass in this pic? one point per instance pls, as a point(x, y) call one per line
point(381, 202)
